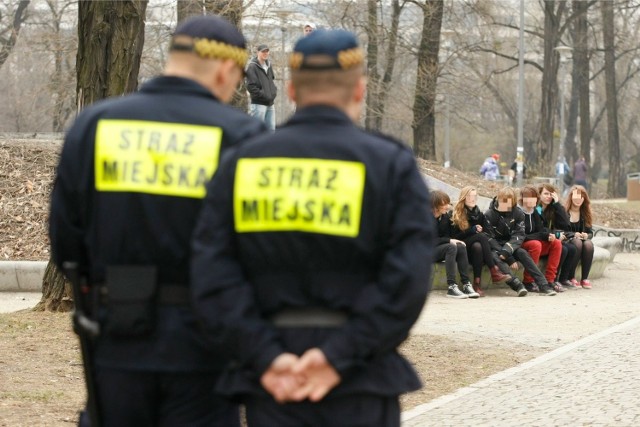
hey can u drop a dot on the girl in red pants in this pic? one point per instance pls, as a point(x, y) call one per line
point(538, 242)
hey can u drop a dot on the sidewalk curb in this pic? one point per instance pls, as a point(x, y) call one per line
point(21, 276)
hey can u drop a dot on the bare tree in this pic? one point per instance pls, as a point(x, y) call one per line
point(372, 63)
point(110, 40)
point(9, 35)
point(425, 94)
point(613, 137)
point(580, 79)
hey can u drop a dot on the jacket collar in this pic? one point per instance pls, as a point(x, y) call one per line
point(323, 113)
point(176, 85)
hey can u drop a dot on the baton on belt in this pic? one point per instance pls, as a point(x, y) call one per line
point(87, 330)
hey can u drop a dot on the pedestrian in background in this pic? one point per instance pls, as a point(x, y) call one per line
point(580, 172)
point(262, 88)
point(127, 192)
point(313, 255)
point(490, 169)
point(308, 29)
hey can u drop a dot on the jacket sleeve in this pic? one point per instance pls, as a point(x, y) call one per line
point(385, 310)
point(71, 196)
point(561, 217)
point(517, 237)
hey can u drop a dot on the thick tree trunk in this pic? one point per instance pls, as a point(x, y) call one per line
point(581, 76)
point(553, 13)
point(110, 41)
point(613, 138)
point(425, 95)
point(56, 291)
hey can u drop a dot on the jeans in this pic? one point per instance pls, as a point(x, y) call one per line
point(264, 113)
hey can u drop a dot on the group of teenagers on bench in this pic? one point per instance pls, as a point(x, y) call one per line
point(520, 226)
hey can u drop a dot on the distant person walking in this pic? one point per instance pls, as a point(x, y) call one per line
point(262, 88)
point(580, 170)
point(489, 169)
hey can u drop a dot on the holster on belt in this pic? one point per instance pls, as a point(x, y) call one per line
point(131, 300)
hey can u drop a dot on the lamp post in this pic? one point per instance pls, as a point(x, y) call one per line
point(282, 14)
point(564, 52)
point(520, 149)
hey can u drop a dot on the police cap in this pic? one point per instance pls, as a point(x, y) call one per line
point(213, 38)
point(327, 50)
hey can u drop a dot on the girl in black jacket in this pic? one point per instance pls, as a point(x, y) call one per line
point(555, 218)
point(450, 250)
point(470, 226)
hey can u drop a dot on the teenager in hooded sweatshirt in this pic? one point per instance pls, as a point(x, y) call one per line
point(506, 222)
point(538, 241)
point(470, 226)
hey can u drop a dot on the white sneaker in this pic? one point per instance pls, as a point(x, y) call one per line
point(467, 289)
point(454, 292)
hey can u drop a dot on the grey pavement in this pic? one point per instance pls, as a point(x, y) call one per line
point(594, 381)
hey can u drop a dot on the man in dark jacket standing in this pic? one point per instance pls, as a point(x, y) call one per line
point(261, 87)
point(313, 255)
point(128, 188)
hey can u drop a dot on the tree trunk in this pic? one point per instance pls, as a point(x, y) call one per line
point(424, 142)
point(373, 79)
point(581, 76)
point(8, 43)
point(390, 64)
point(549, 87)
point(57, 295)
point(110, 40)
point(613, 138)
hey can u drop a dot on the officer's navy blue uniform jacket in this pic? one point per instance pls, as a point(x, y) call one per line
point(118, 227)
point(379, 276)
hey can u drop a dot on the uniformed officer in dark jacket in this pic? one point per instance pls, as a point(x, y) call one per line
point(313, 255)
point(128, 189)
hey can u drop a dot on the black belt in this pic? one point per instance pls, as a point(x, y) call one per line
point(309, 317)
point(168, 294)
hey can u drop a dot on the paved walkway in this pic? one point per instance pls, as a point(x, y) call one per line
point(594, 381)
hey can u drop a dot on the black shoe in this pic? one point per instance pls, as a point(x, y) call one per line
point(531, 287)
point(547, 290)
point(455, 292)
point(517, 286)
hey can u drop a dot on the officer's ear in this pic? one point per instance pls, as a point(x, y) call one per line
point(226, 77)
point(360, 90)
point(291, 91)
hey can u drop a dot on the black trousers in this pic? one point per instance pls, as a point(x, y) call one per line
point(527, 262)
point(453, 254)
point(362, 410)
point(153, 399)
